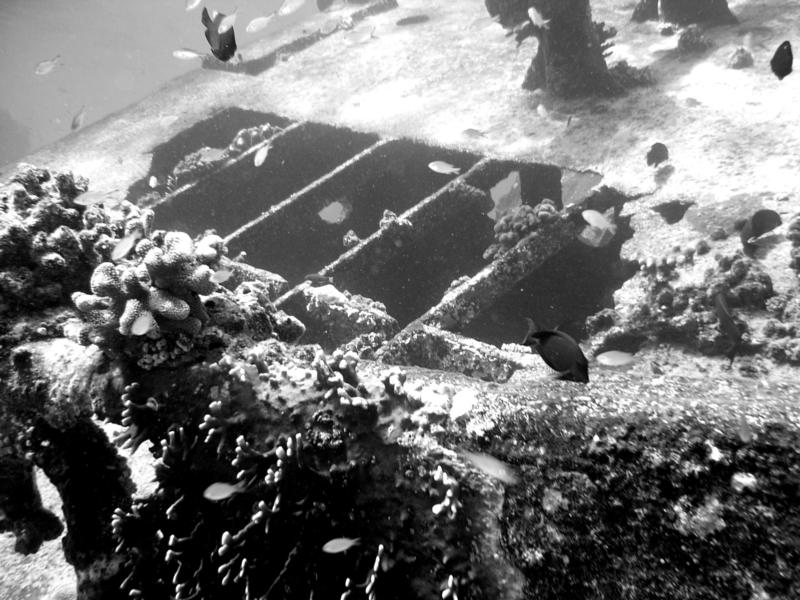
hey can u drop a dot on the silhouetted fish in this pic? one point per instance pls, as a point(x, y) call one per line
point(727, 325)
point(323, 5)
point(414, 20)
point(559, 351)
point(223, 45)
point(79, 119)
point(781, 63)
point(658, 153)
point(317, 280)
point(758, 224)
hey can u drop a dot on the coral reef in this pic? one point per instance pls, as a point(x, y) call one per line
point(741, 58)
point(334, 318)
point(683, 313)
point(304, 440)
point(514, 226)
point(45, 242)
point(793, 235)
point(692, 41)
point(160, 284)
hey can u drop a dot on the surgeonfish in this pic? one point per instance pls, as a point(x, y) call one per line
point(657, 154)
point(223, 45)
point(781, 62)
point(559, 351)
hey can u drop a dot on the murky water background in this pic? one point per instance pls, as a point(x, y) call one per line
point(113, 53)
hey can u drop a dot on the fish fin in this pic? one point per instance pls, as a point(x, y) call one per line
point(205, 18)
point(531, 329)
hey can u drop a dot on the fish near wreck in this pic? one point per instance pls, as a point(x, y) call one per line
point(559, 351)
point(223, 45)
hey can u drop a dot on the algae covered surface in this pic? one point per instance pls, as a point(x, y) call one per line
point(144, 369)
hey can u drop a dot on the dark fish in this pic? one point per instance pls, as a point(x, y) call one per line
point(658, 153)
point(559, 351)
point(323, 5)
point(758, 224)
point(223, 45)
point(318, 280)
point(415, 20)
point(727, 325)
point(781, 63)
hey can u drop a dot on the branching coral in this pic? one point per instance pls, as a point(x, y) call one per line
point(297, 439)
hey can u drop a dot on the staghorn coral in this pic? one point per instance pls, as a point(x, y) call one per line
point(514, 226)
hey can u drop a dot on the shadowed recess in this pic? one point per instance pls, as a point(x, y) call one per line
point(217, 131)
point(242, 192)
point(297, 239)
point(567, 288)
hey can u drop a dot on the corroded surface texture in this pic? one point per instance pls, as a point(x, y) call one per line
point(461, 304)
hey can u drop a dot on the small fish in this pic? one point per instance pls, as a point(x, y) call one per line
point(259, 23)
point(536, 18)
point(413, 20)
point(221, 490)
point(323, 5)
point(781, 62)
point(614, 358)
point(227, 22)
point(329, 26)
point(153, 182)
point(493, 467)
point(290, 6)
point(192, 4)
point(559, 351)
point(261, 155)
point(125, 245)
point(657, 154)
point(186, 54)
point(473, 133)
point(223, 45)
point(727, 325)
point(337, 545)
point(143, 323)
point(221, 275)
point(46, 66)
point(318, 280)
point(93, 197)
point(596, 219)
point(745, 431)
point(79, 119)
point(439, 166)
point(761, 222)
